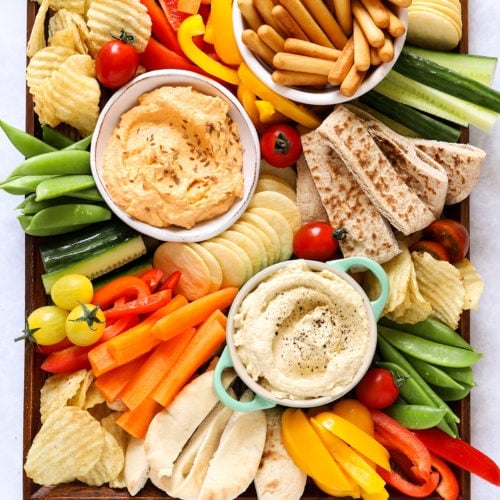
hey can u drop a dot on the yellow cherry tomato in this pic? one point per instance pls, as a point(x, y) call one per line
point(71, 290)
point(46, 325)
point(85, 324)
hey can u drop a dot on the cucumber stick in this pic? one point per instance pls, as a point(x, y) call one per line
point(479, 68)
point(435, 102)
point(447, 80)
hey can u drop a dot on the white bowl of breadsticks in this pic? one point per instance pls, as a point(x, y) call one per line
point(320, 52)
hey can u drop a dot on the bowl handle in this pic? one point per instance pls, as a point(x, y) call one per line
point(365, 262)
point(257, 403)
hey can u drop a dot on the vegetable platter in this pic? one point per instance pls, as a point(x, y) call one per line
point(34, 376)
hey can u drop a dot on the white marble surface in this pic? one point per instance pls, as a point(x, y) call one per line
point(484, 38)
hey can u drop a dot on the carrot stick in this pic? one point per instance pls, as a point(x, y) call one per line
point(111, 383)
point(139, 340)
point(136, 422)
point(141, 382)
point(100, 360)
point(208, 338)
point(193, 314)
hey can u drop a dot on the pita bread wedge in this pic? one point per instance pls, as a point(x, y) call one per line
point(278, 478)
point(387, 190)
point(236, 460)
point(462, 163)
point(346, 204)
point(136, 468)
point(427, 178)
point(172, 427)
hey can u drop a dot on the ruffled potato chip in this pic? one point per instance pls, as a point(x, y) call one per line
point(473, 284)
point(78, 6)
point(67, 446)
point(37, 39)
point(68, 29)
point(441, 284)
point(107, 17)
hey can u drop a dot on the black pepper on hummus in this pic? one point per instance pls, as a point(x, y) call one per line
point(175, 158)
point(303, 333)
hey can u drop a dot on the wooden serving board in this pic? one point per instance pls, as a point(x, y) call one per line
point(34, 376)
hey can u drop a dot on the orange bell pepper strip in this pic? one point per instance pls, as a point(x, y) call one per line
point(355, 437)
point(310, 454)
point(129, 286)
point(224, 40)
point(295, 112)
point(350, 460)
point(193, 26)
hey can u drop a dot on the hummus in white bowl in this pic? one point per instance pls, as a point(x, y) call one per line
point(303, 333)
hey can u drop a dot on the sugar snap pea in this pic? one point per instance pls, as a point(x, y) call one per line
point(54, 163)
point(25, 143)
point(416, 416)
point(430, 329)
point(463, 375)
point(89, 194)
point(65, 218)
point(450, 394)
point(433, 374)
point(55, 137)
point(412, 392)
point(63, 185)
point(24, 184)
point(390, 353)
point(428, 350)
point(29, 205)
point(83, 144)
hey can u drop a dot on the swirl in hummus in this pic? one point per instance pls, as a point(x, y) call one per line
point(302, 333)
point(175, 158)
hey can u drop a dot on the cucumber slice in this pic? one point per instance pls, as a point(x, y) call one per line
point(435, 102)
point(479, 68)
point(447, 80)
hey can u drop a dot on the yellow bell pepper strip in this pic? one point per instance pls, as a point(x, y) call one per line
point(356, 412)
point(290, 109)
point(248, 99)
point(268, 114)
point(355, 437)
point(194, 26)
point(310, 454)
point(208, 36)
point(350, 460)
point(224, 38)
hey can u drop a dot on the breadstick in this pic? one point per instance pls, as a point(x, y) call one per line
point(401, 3)
point(396, 27)
point(374, 57)
point(373, 33)
point(350, 84)
point(298, 78)
point(304, 64)
point(257, 46)
point(361, 48)
point(386, 52)
point(250, 14)
point(343, 13)
point(311, 49)
point(325, 19)
point(343, 64)
point(271, 37)
point(306, 22)
point(378, 12)
point(264, 8)
point(287, 23)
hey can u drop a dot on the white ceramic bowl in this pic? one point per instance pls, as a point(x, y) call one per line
point(125, 98)
point(316, 97)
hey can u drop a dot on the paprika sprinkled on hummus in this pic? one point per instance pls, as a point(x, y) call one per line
point(302, 333)
point(175, 158)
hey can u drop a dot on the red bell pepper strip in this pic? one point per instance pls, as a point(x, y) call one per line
point(130, 287)
point(171, 282)
point(153, 278)
point(75, 358)
point(158, 56)
point(448, 487)
point(398, 437)
point(47, 349)
point(142, 305)
point(460, 453)
point(160, 26)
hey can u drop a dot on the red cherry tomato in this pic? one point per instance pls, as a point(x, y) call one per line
point(377, 389)
point(452, 235)
point(117, 61)
point(315, 240)
point(280, 145)
point(437, 250)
